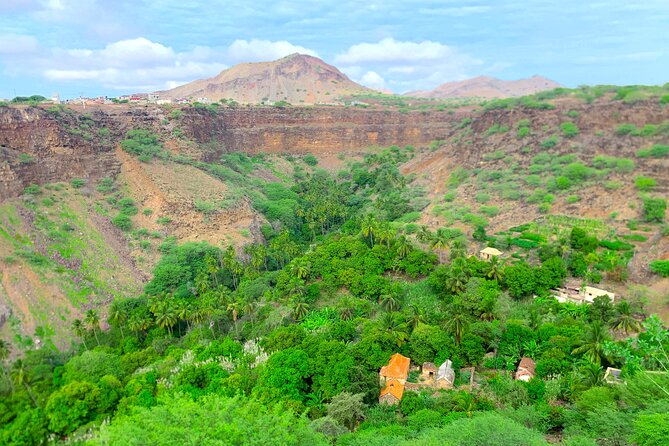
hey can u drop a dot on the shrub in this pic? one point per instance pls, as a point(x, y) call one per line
point(482, 197)
point(490, 211)
point(523, 132)
point(142, 143)
point(656, 151)
point(105, 185)
point(450, 195)
point(654, 209)
point(25, 158)
point(569, 129)
point(33, 189)
point(625, 129)
point(573, 199)
point(78, 183)
point(122, 222)
point(497, 128)
point(612, 185)
point(550, 142)
point(457, 177)
point(660, 267)
point(310, 160)
point(644, 184)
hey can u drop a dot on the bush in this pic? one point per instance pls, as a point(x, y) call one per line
point(33, 189)
point(310, 160)
point(644, 184)
point(550, 142)
point(569, 129)
point(142, 143)
point(625, 129)
point(654, 209)
point(122, 222)
point(78, 183)
point(660, 267)
point(656, 151)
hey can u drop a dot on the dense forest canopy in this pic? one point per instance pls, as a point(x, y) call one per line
point(281, 342)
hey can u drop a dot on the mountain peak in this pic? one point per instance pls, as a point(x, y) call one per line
point(296, 78)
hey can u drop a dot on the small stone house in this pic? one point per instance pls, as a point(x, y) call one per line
point(428, 372)
point(392, 393)
point(392, 379)
point(612, 376)
point(488, 253)
point(445, 376)
point(526, 369)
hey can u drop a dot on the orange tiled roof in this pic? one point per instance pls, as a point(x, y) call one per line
point(398, 367)
point(527, 364)
point(393, 387)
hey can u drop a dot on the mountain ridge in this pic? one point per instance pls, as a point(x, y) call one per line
point(487, 87)
point(296, 78)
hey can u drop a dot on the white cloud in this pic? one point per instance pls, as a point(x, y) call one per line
point(406, 65)
point(374, 80)
point(137, 64)
point(131, 64)
point(256, 50)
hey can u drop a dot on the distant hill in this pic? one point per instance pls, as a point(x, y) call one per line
point(487, 87)
point(298, 79)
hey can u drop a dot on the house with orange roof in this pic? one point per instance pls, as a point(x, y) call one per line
point(392, 393)
point(392, 379)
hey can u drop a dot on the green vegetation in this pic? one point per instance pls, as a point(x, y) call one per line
point(143, 144)
point(654, 209)
point(660, 267)
point(656, 151)
point(569, 129)
point(645, 184)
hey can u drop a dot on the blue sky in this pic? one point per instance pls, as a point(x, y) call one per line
point(96, 47)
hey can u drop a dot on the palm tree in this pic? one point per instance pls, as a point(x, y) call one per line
point(79, 331)
point(139, 322)
point(390, 325)
point(624, 319)
point(369, 227)
point(458, 248)
point(592, 345)
point(300, 268)
point(117, 316)
point(416, 316)
point(457, 325)
point(457, 276)
point(166, 315)
point(4, 354)
point(439, 243)
point(590, 375)
point(385, 234)
point(495, 268)
point(488, 308)
point(300, 310)
point(92, 322)
point(389, 302)
point(22, 378)
point(404, 246)
point(424, 234)
point(465, 402)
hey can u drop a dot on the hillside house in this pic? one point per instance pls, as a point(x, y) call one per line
point(489, 252)
point(445, 376)
point(428, 372)
point(153, 97)
point(584, 295)
point(612, 376)
point(392, 379)
point(392, 393)
point(526, 369)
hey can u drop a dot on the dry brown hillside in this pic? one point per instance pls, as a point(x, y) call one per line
point(297, 79)
point(488, 87)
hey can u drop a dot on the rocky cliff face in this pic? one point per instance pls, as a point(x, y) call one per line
point(38, 146)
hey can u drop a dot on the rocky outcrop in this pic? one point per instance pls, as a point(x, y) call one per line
point(39, 146)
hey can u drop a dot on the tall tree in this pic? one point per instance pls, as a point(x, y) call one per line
point(92, 321)
point(117, 316)
point(592, 344)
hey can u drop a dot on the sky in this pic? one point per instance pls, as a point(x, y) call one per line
point(114, 47)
